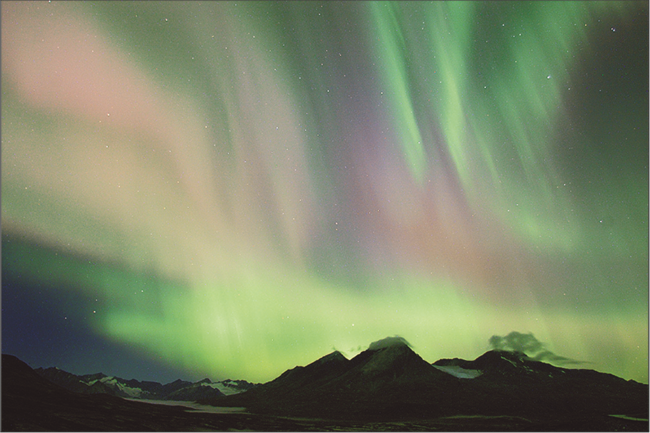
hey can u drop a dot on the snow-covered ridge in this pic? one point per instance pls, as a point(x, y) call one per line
point(227, 387)
point(115, 383)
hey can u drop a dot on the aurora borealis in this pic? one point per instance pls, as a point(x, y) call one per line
point(231, 189)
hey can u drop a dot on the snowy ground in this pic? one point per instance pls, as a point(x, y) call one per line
point(196, 408)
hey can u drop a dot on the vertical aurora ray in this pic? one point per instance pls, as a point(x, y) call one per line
point(450, 33)
point(234, 188)
point(391, 49)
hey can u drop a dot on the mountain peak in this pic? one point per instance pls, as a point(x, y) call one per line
point(390, 360)
point(334, 356)
point(493, 357)
point(381, 356)
point(395, 341)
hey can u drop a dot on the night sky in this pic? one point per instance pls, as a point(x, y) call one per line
point(231, 189)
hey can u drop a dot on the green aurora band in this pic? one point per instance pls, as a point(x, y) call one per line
point(243, 186)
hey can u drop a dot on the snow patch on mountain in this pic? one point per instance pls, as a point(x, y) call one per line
point(227, 387)
point(115, 384)
point(459, 372)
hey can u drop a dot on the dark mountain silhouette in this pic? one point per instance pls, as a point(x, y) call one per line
point(538, 383)
point(73, 382)
point(513, 383)
point(504, 364)
point(387, 379)
point(178, 390)
point(393, 365)
point(318, 372)
point(205, 389)
point(194, 392)
point(386, 387)
point(32, 403)
point(390, 382)
point(174, 386)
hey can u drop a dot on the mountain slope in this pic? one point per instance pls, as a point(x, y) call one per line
point(179, 390)
point(294, 384)
point(73, 382)
point(376, 382)
point(311, 376)
point(397, 364)
point(31, 403)
point(511, 382)
point(196, 391)
point(391, 382)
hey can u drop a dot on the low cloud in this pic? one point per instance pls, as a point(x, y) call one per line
point(389, 342)
point(531, 346)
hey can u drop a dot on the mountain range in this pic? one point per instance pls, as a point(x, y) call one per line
point(390, 382)
point(178, 390)
point(386, 387)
